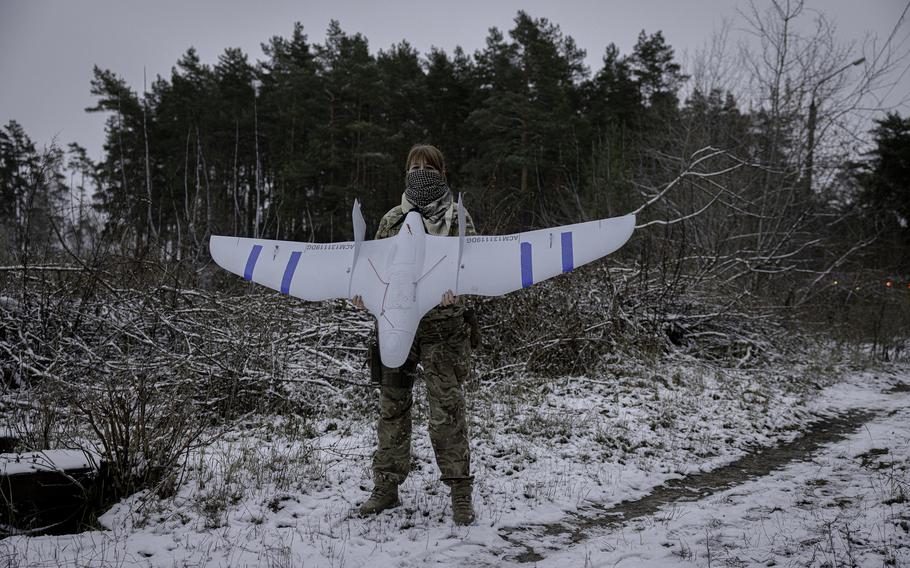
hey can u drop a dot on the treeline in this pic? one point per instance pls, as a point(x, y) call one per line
point(281, 147)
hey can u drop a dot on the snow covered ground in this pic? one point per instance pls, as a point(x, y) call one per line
point(847, 505)
point(283, 492)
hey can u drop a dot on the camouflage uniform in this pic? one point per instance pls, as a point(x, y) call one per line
point(442, 344)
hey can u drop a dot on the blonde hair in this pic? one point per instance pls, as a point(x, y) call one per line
point(427, 154)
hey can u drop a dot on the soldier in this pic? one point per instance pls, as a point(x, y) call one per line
point(443, 343)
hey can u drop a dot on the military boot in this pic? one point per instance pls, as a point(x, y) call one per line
point(462, 508)
point(384, 496)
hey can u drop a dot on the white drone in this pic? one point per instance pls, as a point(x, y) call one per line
point(402, 278)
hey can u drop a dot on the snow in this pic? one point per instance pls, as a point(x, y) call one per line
point(47, 460)
point(541, 450)
point(829, 510)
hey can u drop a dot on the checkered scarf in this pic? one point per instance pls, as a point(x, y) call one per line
point(424, 187)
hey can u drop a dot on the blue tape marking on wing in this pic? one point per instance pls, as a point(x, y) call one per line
point(527, 277)
point(289, 272)
point(567, 258)
point(251, 262)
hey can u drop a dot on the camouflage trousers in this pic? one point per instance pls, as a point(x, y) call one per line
point(443, 347)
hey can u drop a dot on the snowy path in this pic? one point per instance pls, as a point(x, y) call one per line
point(835, 496)
point(696, 487)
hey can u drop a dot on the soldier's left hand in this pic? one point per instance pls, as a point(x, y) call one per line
point(448, 298)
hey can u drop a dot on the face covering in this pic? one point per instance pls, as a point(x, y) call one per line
point(424, 186)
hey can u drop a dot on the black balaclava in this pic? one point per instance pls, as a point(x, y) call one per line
point(424, 187)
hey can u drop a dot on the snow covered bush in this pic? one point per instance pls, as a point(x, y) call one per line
point(119, 359)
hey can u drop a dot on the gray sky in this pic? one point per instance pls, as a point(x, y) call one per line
point(48, 47)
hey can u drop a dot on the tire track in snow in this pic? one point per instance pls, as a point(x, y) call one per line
point(757, 463)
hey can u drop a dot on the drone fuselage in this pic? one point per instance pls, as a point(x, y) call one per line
point(399, 316)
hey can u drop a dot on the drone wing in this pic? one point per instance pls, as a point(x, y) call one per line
point(496, 265)
point(310, 271)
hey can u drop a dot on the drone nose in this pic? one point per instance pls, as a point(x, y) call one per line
point(393, 349)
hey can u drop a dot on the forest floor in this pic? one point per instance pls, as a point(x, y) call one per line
point(671, 463)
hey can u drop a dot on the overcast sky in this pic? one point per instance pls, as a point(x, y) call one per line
point(48, 47)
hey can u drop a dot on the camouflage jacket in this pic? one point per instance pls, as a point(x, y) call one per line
point(440, 218)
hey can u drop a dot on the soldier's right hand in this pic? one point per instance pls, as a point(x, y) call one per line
point(357, 300)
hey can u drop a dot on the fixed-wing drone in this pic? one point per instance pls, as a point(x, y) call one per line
point(402, 278)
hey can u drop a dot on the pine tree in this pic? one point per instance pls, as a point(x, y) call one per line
point(658, 75)
point(344, 145)
point(613, 110)
point(32, 185)
point(404, 115)
point(121, 196)
point(884, 190)
point(452, 94)
point(18, 165)
point(529, 118)
point(291, 106)
point(184, 120)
